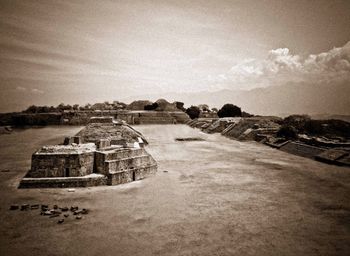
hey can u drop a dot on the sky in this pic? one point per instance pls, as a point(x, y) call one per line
point(90, 51)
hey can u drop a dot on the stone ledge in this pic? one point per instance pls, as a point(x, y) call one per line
point(64, 182)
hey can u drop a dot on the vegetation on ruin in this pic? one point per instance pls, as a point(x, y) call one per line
point(303, 124)
point(193, 112)
point(230, 110)
point(152, 106)
point(288, 132)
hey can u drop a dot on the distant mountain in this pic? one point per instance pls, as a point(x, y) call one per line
point(291, 98)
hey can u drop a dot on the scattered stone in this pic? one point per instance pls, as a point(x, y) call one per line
point(44, 207)
point(34, 206)
point(24, 207)
point(77, 212)
point(47, 213)
point(84, 211)
point(54, 211)
point(165, 171)
point(64, 209)
point(5, 170)
point(74, 208)
point(14, 207)
point(71, 190)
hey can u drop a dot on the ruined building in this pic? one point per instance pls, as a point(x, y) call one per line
point(105, 152)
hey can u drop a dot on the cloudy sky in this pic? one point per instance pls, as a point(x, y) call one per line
point(88, 51)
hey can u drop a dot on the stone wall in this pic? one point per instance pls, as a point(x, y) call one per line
point(103, 157)
point(61, 165)
point(118, 165)
point(83, 117)
point(101, 120)
point(153, 117)
point(131, 175)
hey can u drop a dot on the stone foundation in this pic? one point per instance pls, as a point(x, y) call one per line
point(64, 182)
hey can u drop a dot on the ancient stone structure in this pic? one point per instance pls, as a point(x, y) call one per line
point(103, 153)
point(82, 117)
point(165, 116)
point(164, 105)
point(154, 117)
point(72, 160)
point(117, 132)
point(264, 129)
point(138, 104)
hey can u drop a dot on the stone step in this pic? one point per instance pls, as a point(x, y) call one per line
point(64, 182)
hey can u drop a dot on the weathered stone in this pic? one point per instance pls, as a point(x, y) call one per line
point(44, 208)
point(76, 212)
point(83, 164)
point(64, 209)
point(84, 211)
point(74, 208)
point(24, 207)
point(56, 211)
point(14, 207)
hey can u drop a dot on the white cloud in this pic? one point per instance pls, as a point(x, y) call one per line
point(20, 88)
point(33, 91)
point(282, 66)
point(37, 91)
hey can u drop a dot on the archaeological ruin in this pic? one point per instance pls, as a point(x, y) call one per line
point(105, 152)
point(264, 129)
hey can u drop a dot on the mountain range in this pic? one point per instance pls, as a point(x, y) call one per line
point(290, 98)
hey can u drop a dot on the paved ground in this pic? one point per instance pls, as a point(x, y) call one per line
point(212, 197)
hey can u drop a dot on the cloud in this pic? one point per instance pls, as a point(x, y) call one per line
point(282, 66)
point(33, 91)
point(37, 91)
point(20, 88)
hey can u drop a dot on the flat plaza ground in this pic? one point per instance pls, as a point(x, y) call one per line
point(211, 197)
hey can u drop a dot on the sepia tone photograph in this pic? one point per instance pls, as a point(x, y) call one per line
point(175, 127)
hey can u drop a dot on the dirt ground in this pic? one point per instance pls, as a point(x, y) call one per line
point(211, 197)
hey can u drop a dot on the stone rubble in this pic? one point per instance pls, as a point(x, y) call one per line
point(53, 212)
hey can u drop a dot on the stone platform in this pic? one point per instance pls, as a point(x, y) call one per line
point(106, 152)
point(65, 182)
